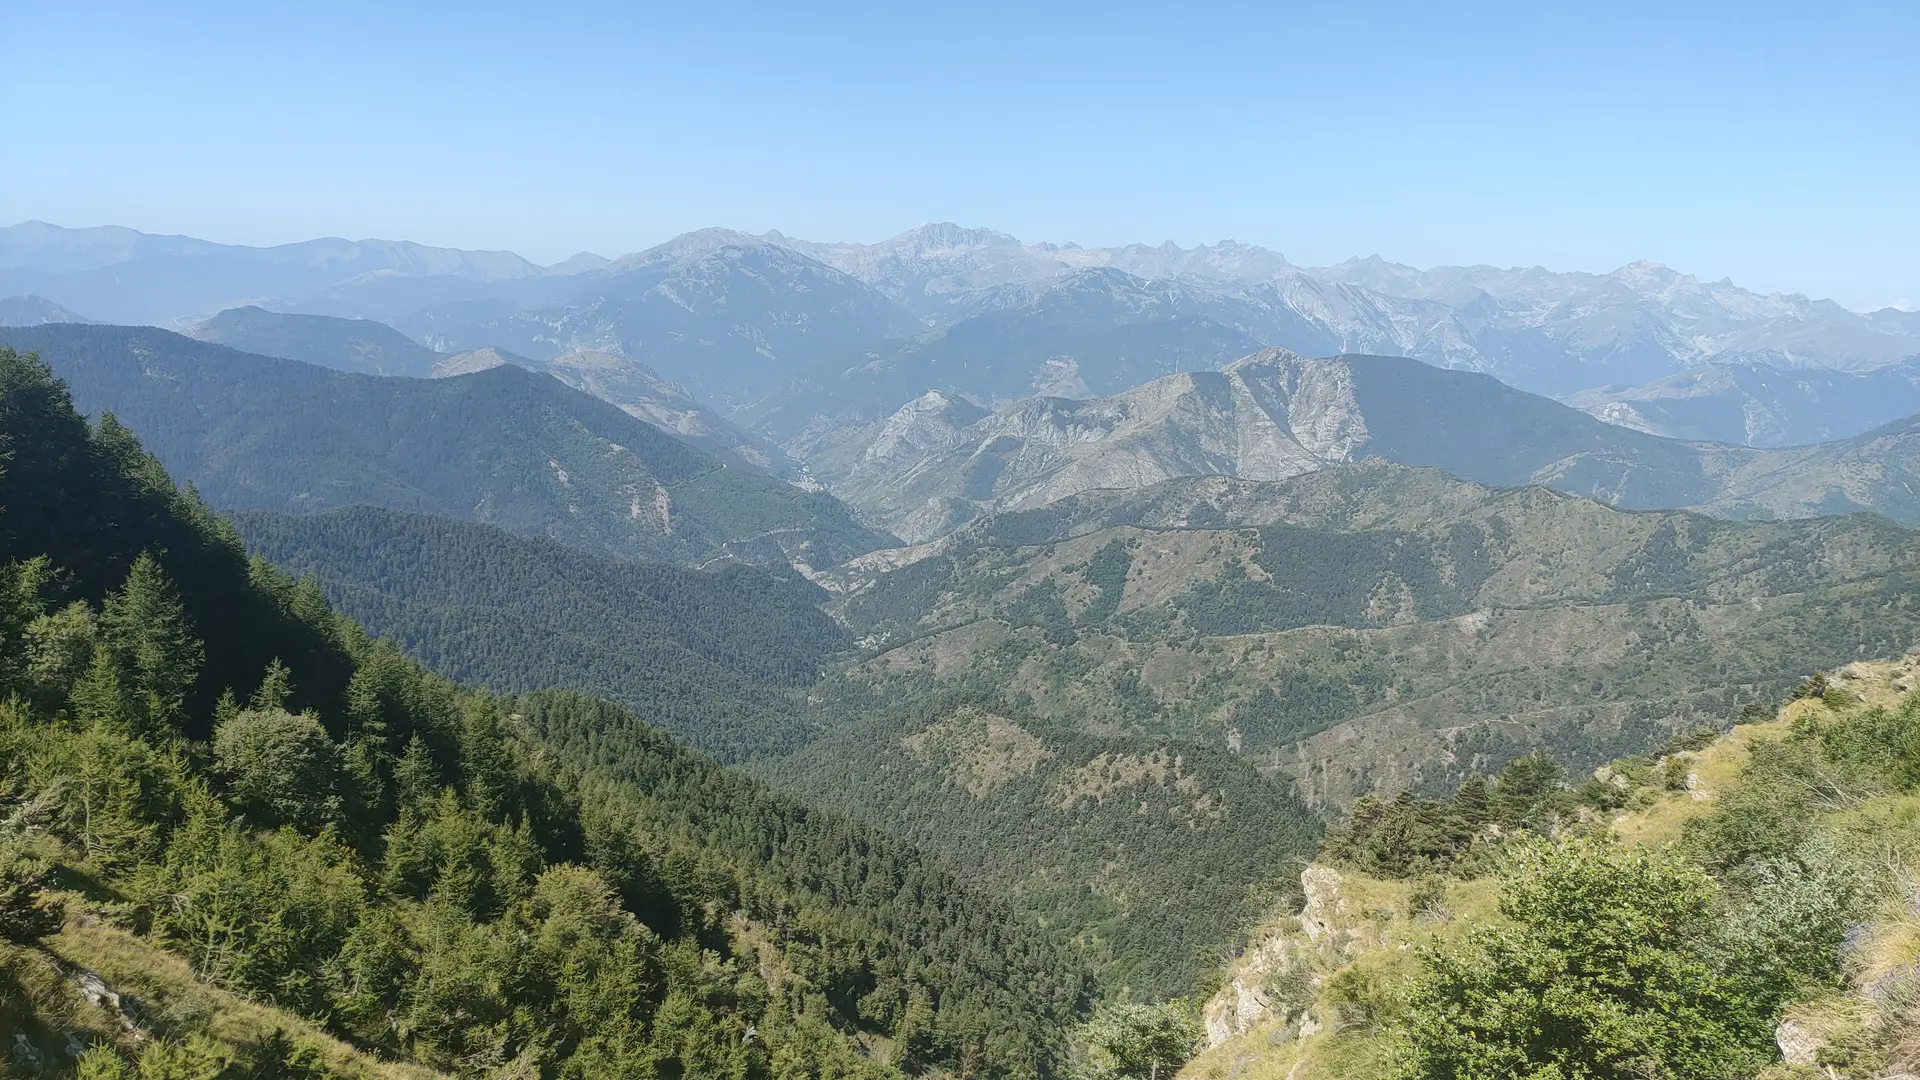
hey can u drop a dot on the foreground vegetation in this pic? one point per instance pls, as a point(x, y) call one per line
point(240, 838)
point(1739, 906)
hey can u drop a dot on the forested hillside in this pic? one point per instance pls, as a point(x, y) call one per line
point(1046, 816)
point(1376, 626)
point(716, 658)
point(504, 446)
point(1150, 855)
point(240, 837)
point(359, 345)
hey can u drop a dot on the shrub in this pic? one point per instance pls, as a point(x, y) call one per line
point(1129, 1040)
point(281, 768)
point(27, 913)
point(1605, 974)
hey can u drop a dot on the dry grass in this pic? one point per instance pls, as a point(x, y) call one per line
point(173, 999)
point(1877, 1017)
point(1375, 937)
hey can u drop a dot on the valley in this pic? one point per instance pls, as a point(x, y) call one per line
point(939, 647)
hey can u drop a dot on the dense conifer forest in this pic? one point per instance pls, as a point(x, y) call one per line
point(716, 657)
point(199, 757)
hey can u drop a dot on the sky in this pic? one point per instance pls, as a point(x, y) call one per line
point(1774, 143)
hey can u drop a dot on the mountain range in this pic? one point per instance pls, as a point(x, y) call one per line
point(114, 274)
point(727, 295)
point(1103, 581)
point(1373, 626)
point(374, 348)
point(941, 461)
point(1760, 405)
point(505, 445)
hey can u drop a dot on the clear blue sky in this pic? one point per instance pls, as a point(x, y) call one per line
point(1775, 143)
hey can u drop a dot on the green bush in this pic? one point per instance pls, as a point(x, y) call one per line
point(281, 769)
point(1618, 964)
point(27, 913)
point(1131, 1041)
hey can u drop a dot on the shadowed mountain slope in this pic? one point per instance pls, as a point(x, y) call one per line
point(503, 446)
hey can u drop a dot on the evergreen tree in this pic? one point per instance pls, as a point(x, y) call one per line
point(145, 625)
point(1473, 803)
point(58, 647)
point(99, 698)
point(20, 604)
point(276, 686)
point(281, 768)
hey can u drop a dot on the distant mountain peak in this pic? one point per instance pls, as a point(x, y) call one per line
point(1275, 356)
point(578, 263)
point(946, 234)
point(691, 245)
point(36, 311)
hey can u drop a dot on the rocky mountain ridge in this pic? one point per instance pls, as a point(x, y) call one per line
point(936, 463)
point(1546, 331)
point(1759, 405)
point(942, 461)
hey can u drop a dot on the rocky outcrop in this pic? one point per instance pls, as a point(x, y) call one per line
point(939, 462)
point(1275, 979)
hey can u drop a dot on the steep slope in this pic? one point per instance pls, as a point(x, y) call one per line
point(1149, 854)
point(639, 391)
point(1269, 416)
point(120, 275)
point(729, 323)
point(358, 345)
point(407, 873)
point(1781, 832)
point(1875, 471)
point(35, 311)
point(1091, 333)
point(503, 446)
point(1757, 405)
point(1374, 626)
point(711, 657)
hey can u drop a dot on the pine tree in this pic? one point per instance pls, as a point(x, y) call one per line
point(1473, 803)
point(276, 686)
point(58, 647)
point(98, 698)
point(145, 625)
point(20, 605)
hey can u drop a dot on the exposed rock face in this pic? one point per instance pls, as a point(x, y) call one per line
point(1255, 991)
point(1321, 885)
point(1798, 1045)
point(930, 467)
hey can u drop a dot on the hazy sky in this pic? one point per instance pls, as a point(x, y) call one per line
point(1775, 143)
